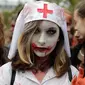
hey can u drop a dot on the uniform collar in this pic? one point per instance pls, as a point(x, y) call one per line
point(49, 75)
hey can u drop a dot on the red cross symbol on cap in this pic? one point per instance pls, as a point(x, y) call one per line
point(45, 11)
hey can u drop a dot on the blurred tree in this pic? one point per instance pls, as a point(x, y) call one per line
point(18, 8)
point(9, 16)
point(6, 15)
point(73, 3)
point(68, 4)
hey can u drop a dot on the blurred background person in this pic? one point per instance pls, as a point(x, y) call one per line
point(70, 28)
point(68, 17)
point(3, 49)
point(79, 26)
point(75, 40)
point(79, 19)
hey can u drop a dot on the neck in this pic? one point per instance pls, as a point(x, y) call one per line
point(42, 63)
point(40, 60)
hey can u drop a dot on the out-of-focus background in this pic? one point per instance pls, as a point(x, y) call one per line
point(9, 9)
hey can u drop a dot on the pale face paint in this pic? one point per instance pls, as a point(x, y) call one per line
point(45, 38)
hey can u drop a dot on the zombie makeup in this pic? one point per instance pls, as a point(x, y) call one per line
point(45, 38)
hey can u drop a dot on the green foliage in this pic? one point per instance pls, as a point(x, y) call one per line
point(17, 9)
point(9, 16)
point(73, 3)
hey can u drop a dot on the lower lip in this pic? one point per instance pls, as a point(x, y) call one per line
point(41, 50)
point(36, 48)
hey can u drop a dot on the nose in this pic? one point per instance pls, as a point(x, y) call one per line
point(42, 39)
point(76, 34)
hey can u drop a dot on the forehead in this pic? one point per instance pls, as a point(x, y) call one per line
point(75, 14)
point(47, 24)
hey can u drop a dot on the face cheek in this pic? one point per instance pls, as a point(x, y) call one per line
point(81, 26)
point(50, 44)
point(81, 29)
point(47, 52)
point(83, 34)
point(77, 28)
point(53, 41)
point(52, 47)
point(34, 39)
point(33, 45)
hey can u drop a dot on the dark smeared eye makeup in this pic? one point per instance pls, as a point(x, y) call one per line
point(51, 31)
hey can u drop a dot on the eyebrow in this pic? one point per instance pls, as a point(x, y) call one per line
point(52, 28)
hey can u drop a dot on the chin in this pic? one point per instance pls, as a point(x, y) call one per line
point(41, 54)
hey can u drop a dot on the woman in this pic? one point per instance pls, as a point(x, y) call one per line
point(79, 18)
point(37, 49)
point(3, 49)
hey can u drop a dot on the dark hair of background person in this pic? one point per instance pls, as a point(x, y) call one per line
point(80, 7)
